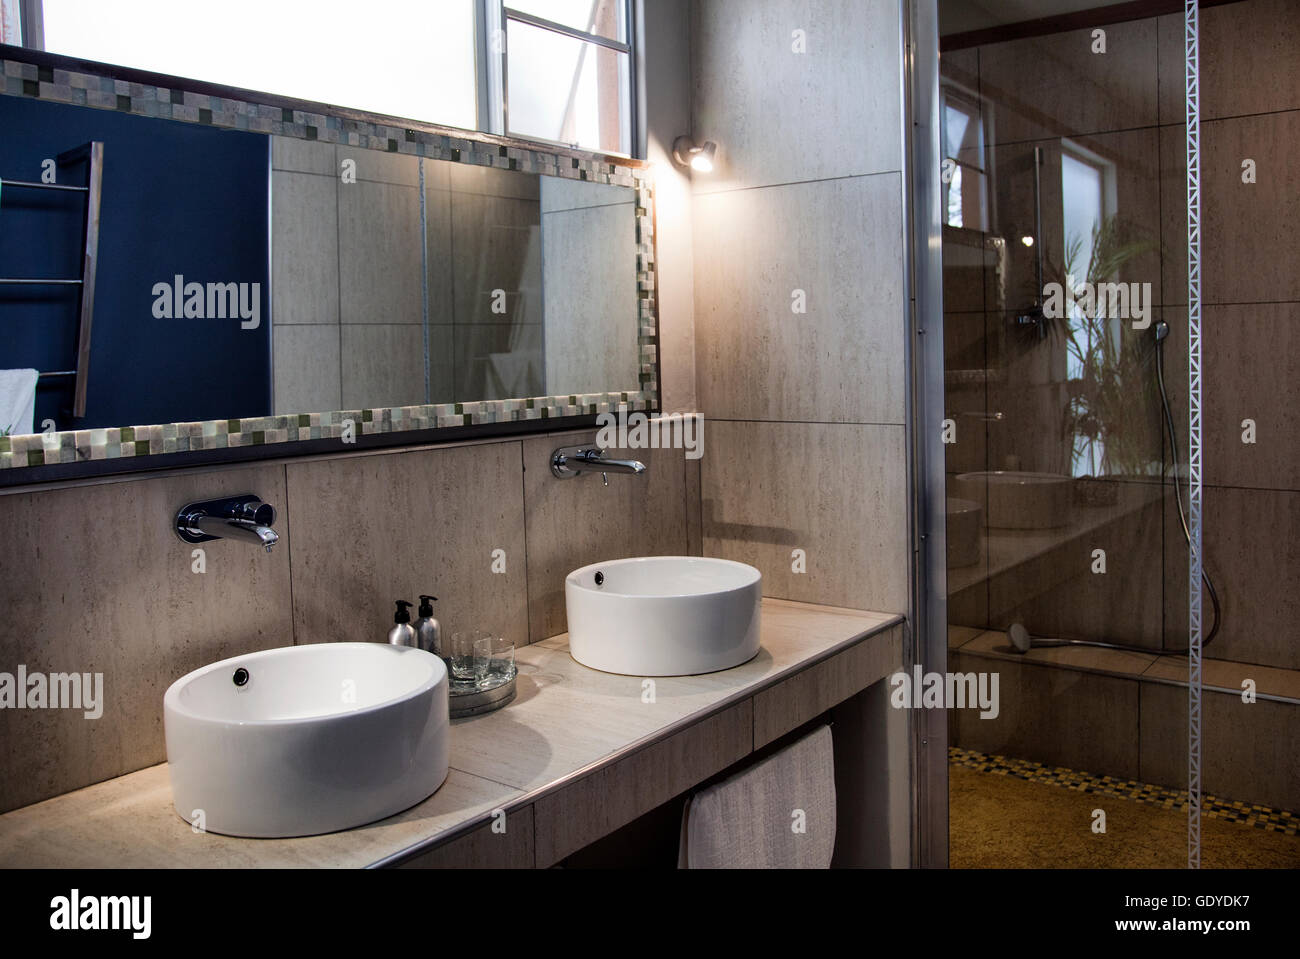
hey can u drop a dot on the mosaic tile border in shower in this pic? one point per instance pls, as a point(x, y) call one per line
point(23, 79)
point(80, 446)
point(1247, 814)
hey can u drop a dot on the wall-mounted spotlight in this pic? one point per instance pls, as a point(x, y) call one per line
point(687, 153)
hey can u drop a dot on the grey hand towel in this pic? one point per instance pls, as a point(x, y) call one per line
point(778, 814)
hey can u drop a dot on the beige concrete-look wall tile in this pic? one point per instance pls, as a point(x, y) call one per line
point(439, 266)
point(1057, 716)
point(496, 361)
point(1074, 90)
point(1250, 61)
point(1248, 749)
point(779, 116)
point(589, 275)
point(967, 265)
point(304, 249)
point(97, 581)
point(380, 277)
point(302, 156)
point(383, 364)
point(496, 245)
point(597, 804)
point(559, 193)
point(1251, 370)
point(469, 178)
point(378, 166)
point(391, 526)
point(816, 689)
point(306, 368)
point(1247, 243)
point(1252, 554)
point(840, 242)
point(574, 522)
point(694, 517)
point(838, 492)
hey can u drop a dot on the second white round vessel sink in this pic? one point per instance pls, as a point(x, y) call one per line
point(663, 615)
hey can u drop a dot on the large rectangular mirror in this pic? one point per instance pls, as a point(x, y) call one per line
point(181, 276)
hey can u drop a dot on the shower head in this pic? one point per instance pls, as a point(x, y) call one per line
point(1020, 637)
point(1162, 330)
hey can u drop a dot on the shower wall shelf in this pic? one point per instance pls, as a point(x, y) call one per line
point(92, 154)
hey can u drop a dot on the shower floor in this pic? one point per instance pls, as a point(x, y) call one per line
point(1012, 813)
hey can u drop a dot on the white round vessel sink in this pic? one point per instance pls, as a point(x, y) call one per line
point(1019, 500)
point(306, 739)
point(663, 615)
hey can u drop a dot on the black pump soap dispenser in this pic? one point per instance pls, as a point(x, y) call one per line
point(428, 631)
point(402, 634)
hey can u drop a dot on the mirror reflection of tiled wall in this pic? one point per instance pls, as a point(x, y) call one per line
point(348, 281)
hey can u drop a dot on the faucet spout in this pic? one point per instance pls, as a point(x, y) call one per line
point(569, 461)
point(240, 529)
point(244, 518)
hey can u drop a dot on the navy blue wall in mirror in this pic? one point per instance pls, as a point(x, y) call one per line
point(179, 200)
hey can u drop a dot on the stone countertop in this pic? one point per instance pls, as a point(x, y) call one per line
point(566, 720)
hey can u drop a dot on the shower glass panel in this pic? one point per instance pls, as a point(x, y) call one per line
point(1064, 274)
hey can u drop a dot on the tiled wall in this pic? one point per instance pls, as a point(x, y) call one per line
point(805, 411)
point(589, 235)
point(348, 290)
point(98, 581)
point(1250, 109)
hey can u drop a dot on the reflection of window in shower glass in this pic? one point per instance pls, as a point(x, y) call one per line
point(1082, 198)
point(1083, 208)
point(963, 149)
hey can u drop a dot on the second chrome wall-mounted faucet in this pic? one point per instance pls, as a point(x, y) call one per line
point(568, 461)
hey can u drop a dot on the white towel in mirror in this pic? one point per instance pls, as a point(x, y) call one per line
point(17, 401)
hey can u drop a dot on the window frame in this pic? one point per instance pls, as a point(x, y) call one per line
point(493, 18)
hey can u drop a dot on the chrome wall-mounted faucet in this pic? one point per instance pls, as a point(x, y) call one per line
point(244, 518)
point(568, 461)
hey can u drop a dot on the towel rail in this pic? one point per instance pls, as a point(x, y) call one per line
point(13, 281)
point(28, 185)
point(92, 154)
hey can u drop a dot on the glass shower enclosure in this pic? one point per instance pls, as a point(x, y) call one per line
point(1072, 506)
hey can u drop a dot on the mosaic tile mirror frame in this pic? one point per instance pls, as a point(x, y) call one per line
point(60, 453)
